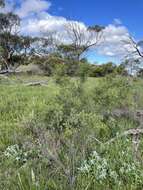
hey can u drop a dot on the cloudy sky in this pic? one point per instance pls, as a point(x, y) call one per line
point(119, 16)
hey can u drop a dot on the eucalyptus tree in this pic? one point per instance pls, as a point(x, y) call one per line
point(14, 47)
point(9, 24)
point(135, 47)
point(81, 39)
point(133, 54)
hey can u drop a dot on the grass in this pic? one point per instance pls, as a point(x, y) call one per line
point(18, 102)
point(56, 127)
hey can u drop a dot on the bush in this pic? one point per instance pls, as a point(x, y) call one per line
point(63, 137)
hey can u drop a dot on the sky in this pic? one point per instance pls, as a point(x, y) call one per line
point(104, 12)
point(120, 17)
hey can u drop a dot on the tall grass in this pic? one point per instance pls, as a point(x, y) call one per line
point(54, 137)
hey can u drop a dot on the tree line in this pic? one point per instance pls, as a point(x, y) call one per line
point(50, 53)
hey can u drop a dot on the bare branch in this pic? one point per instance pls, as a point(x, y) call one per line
point(83, 38)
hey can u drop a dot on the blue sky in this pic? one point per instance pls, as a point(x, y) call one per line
point(129, 12)
point(103, 12)
point(120, 17)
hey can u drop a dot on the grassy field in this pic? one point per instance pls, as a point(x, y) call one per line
point(55, 136)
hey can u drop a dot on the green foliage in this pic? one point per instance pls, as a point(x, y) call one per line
point(96, 28)
point(15, 47)
point(106, 69)
point(55, 136)
point(103, 172)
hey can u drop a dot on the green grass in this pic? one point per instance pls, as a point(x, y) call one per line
point(57, 126)
point(18, 102)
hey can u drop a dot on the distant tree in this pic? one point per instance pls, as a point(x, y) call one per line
point(50, 63)
point(43, 46)
point(106, 69)
point(81, 39)
point(9, 24)
point(133, 54)
point(67, 51)
point(14, 47)
point(140, 73)
point(132, 65)
point(121, 70)
point(135, 48)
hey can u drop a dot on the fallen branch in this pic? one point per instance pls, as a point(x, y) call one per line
point(4, 72)
point(130, 132)
point(36, 84)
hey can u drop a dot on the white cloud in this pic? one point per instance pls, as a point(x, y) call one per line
point(36, 20)
point(117, 21)
point(47, 23)
point(29, 7)
point(114, 43)
point(114, 35)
